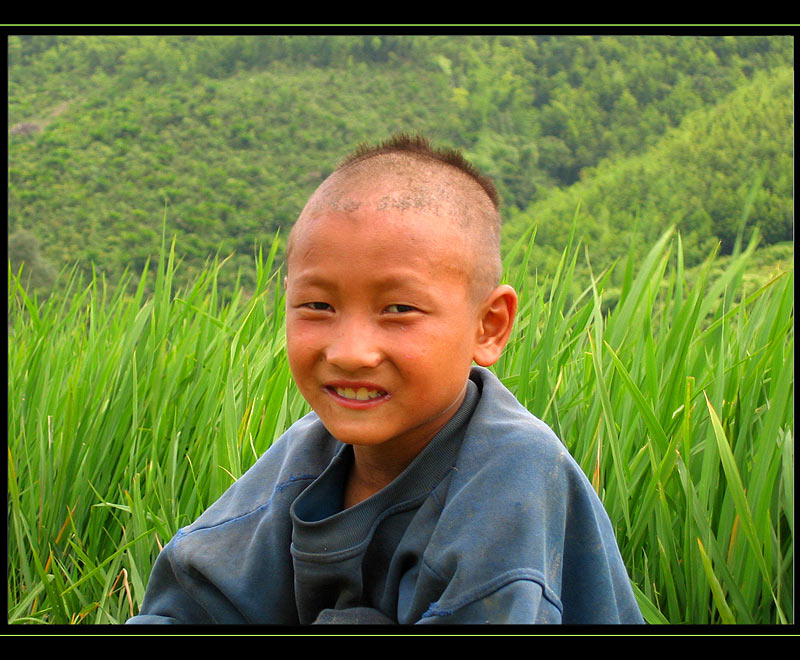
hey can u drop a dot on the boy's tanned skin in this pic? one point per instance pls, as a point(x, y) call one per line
point(391, 295)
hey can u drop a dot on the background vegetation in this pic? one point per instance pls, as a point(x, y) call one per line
point(658, 343)
point(226, 136)
point(130, 414)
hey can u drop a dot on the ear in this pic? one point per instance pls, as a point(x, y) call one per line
point(495, 324)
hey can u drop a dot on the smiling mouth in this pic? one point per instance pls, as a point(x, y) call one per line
point(359, 394)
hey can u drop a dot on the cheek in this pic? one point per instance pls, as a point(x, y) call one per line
point(301, 346)
point(411, 348)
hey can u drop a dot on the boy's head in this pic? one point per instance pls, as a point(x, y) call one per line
point(393, 272)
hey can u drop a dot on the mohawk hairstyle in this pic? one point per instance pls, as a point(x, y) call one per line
point(420, 145)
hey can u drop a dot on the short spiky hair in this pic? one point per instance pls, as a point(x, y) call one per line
point(421, 146)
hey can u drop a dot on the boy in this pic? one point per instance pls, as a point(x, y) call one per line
point(419, 491)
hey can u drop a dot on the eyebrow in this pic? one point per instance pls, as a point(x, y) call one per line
point(387, 282)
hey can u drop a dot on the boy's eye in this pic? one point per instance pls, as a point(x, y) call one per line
point(317, 306)
point(400, 309)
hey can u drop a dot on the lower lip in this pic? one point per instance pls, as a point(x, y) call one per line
point(356, 404)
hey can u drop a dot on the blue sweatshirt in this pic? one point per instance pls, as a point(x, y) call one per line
point(493, 522)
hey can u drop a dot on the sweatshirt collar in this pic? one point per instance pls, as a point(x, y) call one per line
point(321, 526)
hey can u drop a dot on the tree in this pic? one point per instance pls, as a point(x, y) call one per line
point(24, 253)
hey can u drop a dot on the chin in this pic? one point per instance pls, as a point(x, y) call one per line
point(352, 437)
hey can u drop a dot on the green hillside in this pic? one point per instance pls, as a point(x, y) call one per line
point(723, 173)
point(221, 138)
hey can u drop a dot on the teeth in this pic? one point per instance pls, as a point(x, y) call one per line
point(362, 394)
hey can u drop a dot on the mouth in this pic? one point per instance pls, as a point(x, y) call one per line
point(357, 395)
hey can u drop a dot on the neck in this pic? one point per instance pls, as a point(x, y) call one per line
point(364, 479)
point(376, 466)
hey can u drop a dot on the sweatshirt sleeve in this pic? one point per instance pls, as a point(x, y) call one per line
point(174, 597)
point(232, 565)
point(166, 601)
point(554, 560)
point(520, 601)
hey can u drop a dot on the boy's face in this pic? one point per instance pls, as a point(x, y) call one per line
point(381, 323)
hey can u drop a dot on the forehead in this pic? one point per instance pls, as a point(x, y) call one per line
point(379, 240)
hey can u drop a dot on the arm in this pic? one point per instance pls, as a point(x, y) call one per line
point(540, 549)
point(172, 597)
point(521, 601)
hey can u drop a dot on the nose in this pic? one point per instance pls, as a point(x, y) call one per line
point(354, 346)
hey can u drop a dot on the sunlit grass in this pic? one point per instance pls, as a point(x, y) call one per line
point(129, 414)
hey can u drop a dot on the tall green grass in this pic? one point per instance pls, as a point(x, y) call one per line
point(129, 414)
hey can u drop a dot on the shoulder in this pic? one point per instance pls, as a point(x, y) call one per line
point(519, 508)
point(505, 443)
point(513, 475)
point(232, 564)
point(294, 460)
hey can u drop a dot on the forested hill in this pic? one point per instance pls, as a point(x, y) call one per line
point(222, 138)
